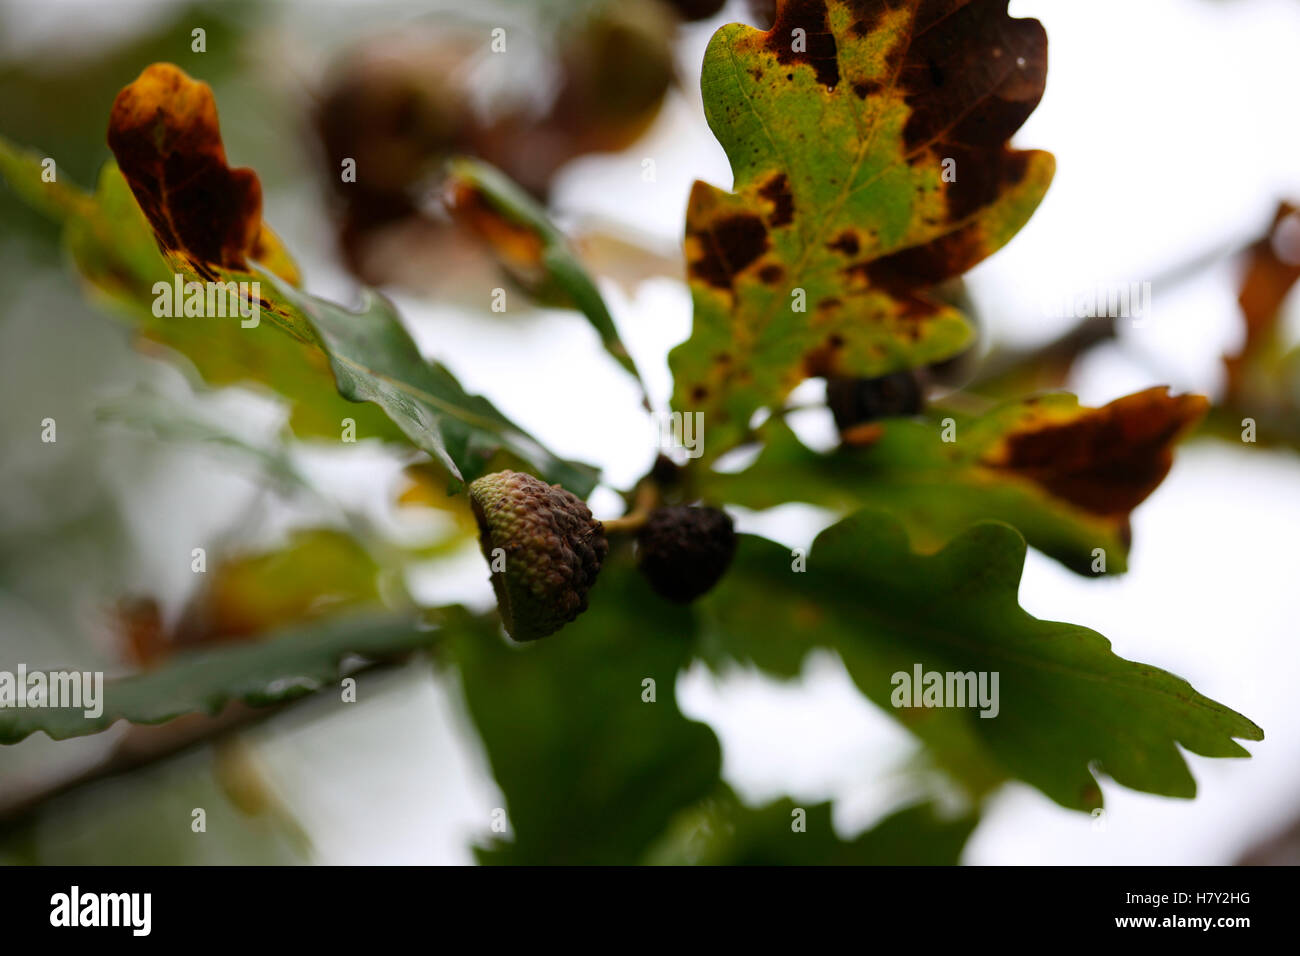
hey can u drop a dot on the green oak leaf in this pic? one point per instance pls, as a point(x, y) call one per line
point(868, 141)
point(1065, 475)
point(591, 772)
point(280, 667)
point(1067, 703)
point(375, 360)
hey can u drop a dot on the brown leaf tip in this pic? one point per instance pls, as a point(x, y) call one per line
point(164, 133)
point(1272, 269)
point(818, 48)
point(1105, 460)
point(519, 247)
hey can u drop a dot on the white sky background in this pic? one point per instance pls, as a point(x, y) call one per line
point(1176, 128)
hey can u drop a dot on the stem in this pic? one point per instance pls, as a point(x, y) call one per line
point(146, 745)
point(647, 499)
point(628, 524)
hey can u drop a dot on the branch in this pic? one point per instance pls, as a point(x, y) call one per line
point(145, 745)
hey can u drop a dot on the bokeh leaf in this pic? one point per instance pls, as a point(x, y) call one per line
point(1066, 702)
point(167, 420)
point(317, 572)
point(1272, 269)
point(281, 667)
point(529, 247)
point(1065, 475)
point(591, 772)
point(723, 831)
point(117, 821)
point(840, 124)
point(1262, 377)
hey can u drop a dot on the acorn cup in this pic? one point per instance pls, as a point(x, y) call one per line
point(543, 546)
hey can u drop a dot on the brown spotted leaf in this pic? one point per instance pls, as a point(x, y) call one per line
point(1065, 475)
point(868, 141)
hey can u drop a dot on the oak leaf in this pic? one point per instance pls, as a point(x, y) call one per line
point(869, 146)
point(1066, 707)
point(1065, 475)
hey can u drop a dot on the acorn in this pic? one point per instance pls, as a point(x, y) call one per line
point(697, 9)
point(855, 401)
point(763, 13)
point(543, 546)
point(683, 551)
